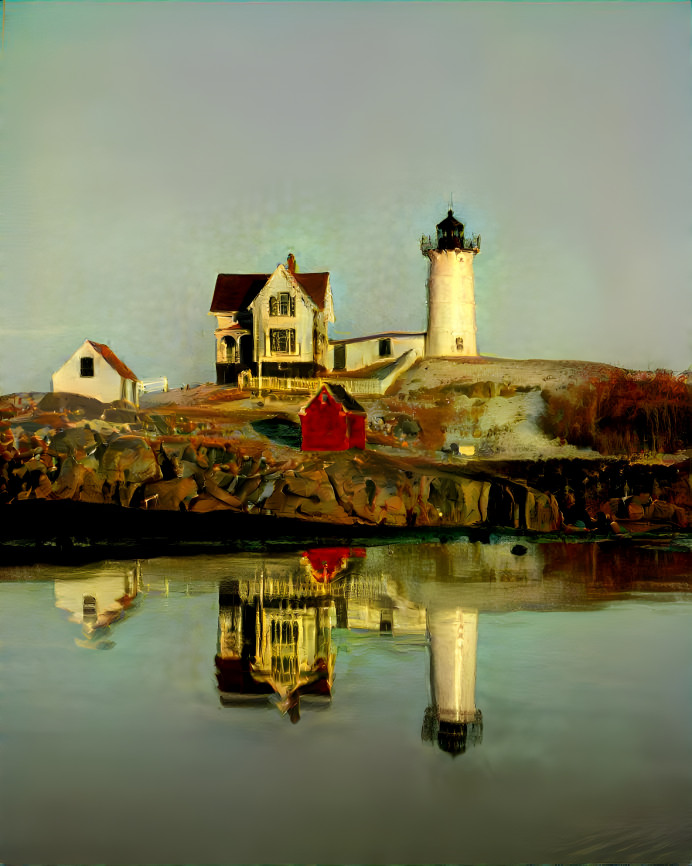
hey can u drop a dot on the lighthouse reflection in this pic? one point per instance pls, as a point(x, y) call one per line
point(452, 718)
point(275, 639)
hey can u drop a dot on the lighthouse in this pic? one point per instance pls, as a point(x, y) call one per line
point(451, 299)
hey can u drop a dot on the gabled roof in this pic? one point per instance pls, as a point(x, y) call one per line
point(113, 360)
point(341, 395)
point(235, 292)
point(315, 286)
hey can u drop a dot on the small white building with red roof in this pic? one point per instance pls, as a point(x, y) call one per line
point(96, 371)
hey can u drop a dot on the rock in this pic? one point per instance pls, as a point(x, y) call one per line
point(170, 495)
point(73, 441)
point(308, 493)
point(130, 459)
point(218, 493)
point(70, 478)
point(77, 404)
point(205, 502)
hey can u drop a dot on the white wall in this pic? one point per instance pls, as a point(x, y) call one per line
point(104, 385)
point(451, 304)
point(301, 322)
point(362, 353)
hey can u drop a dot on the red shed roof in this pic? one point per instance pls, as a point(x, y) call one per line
point(234, 292)
point(341, 395)
point(113, 360)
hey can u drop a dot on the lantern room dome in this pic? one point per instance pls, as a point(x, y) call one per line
point(450, 233)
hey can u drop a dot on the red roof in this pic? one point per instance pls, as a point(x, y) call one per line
point(315, 286)
point(340, 395)
point(111, 358)
point(234, 292)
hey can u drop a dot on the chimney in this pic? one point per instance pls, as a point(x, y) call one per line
point(291, 264)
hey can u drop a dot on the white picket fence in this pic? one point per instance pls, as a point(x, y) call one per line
point(150, 386)
point(246, 382)
point(357, 387)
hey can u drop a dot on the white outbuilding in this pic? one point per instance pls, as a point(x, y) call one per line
point(96, 371)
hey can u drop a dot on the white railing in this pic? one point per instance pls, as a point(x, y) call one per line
point(246, 382)
point(364, 387)
point(149, 386)
point(360, 386)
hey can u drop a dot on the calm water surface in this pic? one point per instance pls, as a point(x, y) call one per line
point(416, 703)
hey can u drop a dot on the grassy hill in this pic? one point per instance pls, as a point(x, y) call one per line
point(496, 408)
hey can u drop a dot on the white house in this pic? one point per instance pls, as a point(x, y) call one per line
point(276, 324)
point(272, 324)
point(96, 371)
point(358, 352)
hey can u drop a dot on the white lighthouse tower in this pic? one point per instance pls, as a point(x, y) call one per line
point(451, 299)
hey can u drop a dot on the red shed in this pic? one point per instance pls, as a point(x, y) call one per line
point(332, 421)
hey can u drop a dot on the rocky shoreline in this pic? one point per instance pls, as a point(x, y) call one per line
point(70, 532)
point(74, 473)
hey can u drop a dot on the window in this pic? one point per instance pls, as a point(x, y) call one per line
point(460, 344)
point(86, 366)
point(282, 341)
point(340, 357)
point(385, 348)
point(282, 305)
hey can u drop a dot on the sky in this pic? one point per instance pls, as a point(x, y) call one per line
point(148, 147)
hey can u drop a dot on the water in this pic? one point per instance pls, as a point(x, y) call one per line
point(429, 703)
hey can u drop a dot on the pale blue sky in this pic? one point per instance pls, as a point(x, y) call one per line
point(150, 146)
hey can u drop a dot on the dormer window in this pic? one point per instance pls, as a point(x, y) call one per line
point(282, 305)
point(86, 366)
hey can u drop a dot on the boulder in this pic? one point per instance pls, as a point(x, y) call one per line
point(76, 441)
point(170, 495)
point(130, 459)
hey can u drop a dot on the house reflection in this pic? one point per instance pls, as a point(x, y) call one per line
point(274, 635)
point(275, 638)
point(98, 601)
point(274, 643)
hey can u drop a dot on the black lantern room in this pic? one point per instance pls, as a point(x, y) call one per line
point(450, 233)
